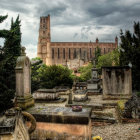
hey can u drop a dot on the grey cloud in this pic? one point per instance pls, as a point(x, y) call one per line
point(15, 6)
point(88, 14)
point(55, 9)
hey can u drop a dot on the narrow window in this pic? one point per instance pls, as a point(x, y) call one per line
point(95, 51)
point(44, 20)
point(44, 32)
point(80, 52)
point(90, 53)
point(74, 55)
point(108, 49)
point(69, 53)
point(63, 53)
point(52, 53)
point(104, 50)
point(58, 53)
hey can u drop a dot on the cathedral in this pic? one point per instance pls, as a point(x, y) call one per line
point(71, 54)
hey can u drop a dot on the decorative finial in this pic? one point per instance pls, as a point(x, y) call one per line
point(23, 51)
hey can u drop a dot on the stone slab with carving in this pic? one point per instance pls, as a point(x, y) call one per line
point(24, 98)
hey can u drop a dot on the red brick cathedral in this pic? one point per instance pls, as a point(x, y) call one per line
point(72, 54)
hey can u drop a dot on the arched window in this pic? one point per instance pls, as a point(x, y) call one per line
point(63, 53)
point(90, 53)
point(58, 53)
point(104, 50)
point(74, 55)
point(69, 53)
point(52, 53)
point(80, 52)
point(43, 49)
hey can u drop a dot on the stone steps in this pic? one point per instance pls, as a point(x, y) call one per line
point(96, 118)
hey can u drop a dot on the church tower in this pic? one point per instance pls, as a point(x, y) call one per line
point(43, 49)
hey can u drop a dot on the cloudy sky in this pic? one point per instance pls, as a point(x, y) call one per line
point(71, 20)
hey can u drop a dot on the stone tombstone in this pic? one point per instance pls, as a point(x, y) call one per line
point(94, 73)
point(24, 98)
point(93, 85)
point(117, 80)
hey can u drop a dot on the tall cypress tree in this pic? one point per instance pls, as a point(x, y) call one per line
point(130, 53)
point(10, 52)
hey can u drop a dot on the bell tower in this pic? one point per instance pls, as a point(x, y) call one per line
point(44, 38)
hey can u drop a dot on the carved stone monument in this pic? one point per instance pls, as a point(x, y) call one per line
point(24, 98)
point(93, 85)
point(117, 81)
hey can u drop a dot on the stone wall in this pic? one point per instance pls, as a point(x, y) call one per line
point(61, 131)
point(117, 80)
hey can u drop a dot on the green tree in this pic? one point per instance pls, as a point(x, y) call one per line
point(36, 63)
point(109, 59)
point(9, 53)
point(85, 72)
point(50, 76)
point(97, 54)
point(3, 33)
point(130, 53)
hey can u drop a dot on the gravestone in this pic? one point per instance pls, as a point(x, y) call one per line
point(117, 81)
point(93, 85)
point(47, 96)
point(24, 98)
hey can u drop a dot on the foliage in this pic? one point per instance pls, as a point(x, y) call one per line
point(50, 76)
point(55, 75)
point(121, 108)
point(97, 54)
point(85, 72)
point(35, 80)
point(8, 54)
point(109, 59)
point(138, 94)
point(130, 53)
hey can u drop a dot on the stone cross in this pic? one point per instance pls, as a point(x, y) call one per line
point(23, 81)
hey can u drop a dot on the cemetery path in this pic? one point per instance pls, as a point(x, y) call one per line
point(118, 131)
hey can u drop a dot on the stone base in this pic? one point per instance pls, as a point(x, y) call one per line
point(94, 91)
point(80, 98)
point(25, 101)
point(116, 97)
point(59, 100)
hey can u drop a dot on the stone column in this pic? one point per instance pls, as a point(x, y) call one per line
point(24, 98)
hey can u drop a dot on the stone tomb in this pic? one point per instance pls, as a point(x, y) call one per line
point(93, 85)
point(62, 121)
point(80, 95)
point(117, 81)
point(24, 98)
point(47, 95)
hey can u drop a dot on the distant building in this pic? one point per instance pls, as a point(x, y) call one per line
point(72, 54)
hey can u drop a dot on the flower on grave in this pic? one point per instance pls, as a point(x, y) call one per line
point(97, 138)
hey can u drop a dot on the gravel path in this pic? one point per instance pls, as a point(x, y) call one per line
point(118, 132)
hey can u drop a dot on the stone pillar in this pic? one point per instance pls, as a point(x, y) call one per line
point(24, 98)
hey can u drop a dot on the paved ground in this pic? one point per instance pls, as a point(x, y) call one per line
point(118, 132)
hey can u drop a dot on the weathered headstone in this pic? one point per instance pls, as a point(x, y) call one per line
point(117, 81)
point(93, 85)
point(24, 98)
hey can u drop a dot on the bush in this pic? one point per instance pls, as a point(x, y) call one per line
point(109, 59)
point(50, 76)
point(85, 72)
